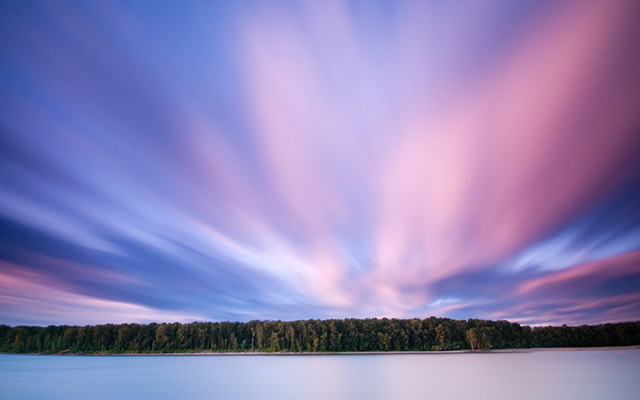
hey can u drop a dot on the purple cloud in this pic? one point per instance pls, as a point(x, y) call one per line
point(286, 161)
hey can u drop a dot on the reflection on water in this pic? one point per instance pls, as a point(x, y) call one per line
point(601, 374)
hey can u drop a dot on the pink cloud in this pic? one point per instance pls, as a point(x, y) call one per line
point(581, 278)
point(24, 292)
point(513, 156)
point(458, 184)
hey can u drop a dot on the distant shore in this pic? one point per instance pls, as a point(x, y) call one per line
point(347, 353)
point(312, 337)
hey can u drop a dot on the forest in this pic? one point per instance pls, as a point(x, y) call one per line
point(333, 335)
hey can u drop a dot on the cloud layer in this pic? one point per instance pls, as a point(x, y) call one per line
point(286, 161)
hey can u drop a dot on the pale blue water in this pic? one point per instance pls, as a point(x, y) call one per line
point(566, 375)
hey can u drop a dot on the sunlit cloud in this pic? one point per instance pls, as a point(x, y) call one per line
point(314, 160)
point(47, 302)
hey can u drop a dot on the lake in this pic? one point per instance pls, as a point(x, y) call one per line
point(556, 374)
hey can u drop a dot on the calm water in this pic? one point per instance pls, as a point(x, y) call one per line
point(603, 374)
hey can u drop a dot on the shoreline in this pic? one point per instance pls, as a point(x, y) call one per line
point(345, 353)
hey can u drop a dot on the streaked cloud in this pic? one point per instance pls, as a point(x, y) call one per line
point(311, 160)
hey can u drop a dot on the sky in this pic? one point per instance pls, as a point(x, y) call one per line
point(217, 160)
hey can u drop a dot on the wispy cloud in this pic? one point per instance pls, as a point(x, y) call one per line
point(272, 160)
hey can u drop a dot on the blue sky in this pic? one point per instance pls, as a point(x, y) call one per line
point(181, 161)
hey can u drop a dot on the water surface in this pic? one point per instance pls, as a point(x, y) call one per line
point(584, 374)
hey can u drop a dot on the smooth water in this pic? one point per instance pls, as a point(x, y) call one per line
point(585, 374)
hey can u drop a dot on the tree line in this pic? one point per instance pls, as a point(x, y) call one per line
point(333, 335)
